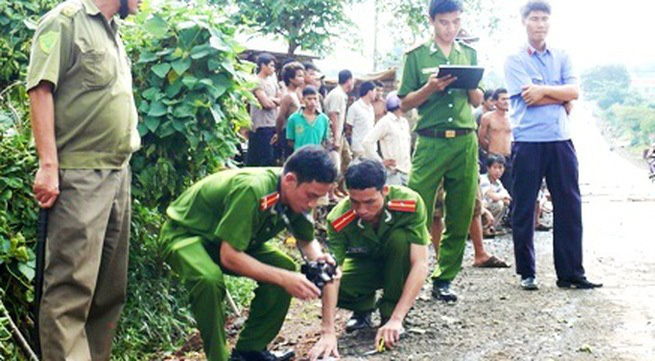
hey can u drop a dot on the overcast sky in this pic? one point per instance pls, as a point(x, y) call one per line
point(593, 31)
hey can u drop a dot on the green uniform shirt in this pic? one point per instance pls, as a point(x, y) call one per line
point(239, 207)
point(356, 238)
point(449, 109)
point(81, 53)
point(302, 133)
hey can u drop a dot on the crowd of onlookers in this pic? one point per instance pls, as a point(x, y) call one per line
point(296, 108)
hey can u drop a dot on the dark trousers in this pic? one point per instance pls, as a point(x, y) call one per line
point(557, 162)
point(282, 148)
point(260, 151)
point(507, 179)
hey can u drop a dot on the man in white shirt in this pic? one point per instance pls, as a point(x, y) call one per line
point(361, 117)
point(393, 133)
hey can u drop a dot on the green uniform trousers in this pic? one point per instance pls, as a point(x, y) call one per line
point(384, 268)
point(196, 261)
point(455, 161)
point(85, 271)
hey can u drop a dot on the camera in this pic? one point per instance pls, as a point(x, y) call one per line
point(319, 272)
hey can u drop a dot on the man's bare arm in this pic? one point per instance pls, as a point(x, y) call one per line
point(334, 128)
point(296, 284)
point(475, 97)
point(327, 344)
point(484, 132)
point(282, 114)
point(418, 258)
point(42, 110)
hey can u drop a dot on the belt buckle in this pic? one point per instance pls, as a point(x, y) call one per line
point(449, 134)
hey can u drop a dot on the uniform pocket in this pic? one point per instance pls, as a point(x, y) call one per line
point(98, 69)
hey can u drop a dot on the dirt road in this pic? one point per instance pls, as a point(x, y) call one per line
point(495, 320)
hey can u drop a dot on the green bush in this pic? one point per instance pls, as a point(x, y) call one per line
point(17, 21)
point(17, 217)
point(190, 92)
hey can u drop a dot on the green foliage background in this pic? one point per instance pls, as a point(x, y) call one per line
point(629, 116)
point(191, 94)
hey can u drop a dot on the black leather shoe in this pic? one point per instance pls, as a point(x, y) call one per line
point(578, 283)
point(358, 321)
point(442, 292)
point(262, 355)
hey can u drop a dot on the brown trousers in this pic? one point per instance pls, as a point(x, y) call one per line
point(85, 273)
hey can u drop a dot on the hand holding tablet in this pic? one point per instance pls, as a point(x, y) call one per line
point(465, 77)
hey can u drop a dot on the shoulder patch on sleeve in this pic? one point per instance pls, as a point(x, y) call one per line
point(48, 41)
point(401, 205)
point(268, 201)
point(344, 220)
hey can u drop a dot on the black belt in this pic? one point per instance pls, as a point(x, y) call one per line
point(450, 133)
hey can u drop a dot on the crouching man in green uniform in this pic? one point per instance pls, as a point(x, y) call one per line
point(379, 239)
point(221, 225)
point(447, 145)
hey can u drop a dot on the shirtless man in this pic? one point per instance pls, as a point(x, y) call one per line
point(496, 133)
point(293, 75)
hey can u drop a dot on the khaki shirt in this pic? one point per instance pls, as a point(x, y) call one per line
point(337, 102)
point(448, 109)
point(350, 237)
point(238, 206)
point(81, 53)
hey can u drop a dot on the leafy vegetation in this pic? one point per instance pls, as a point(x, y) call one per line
point(191, 93)
point(630, 117)
point(306, 24)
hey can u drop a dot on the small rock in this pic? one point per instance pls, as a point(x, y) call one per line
point(417, 330)
point(585, 348)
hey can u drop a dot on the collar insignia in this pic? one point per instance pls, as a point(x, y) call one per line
point(400, 205)
point(266, 202)
point(345, 219)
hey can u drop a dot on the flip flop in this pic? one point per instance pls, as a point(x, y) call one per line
point(493, 262)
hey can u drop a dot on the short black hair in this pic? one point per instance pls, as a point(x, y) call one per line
point(443, 7)
point(495, 158)
point(366, 87)
point(311, 163)
point(378, 84)
point(290, 70)
point(366, 173)
point(344, 76)
point(309, 90)
point(309, 65)
point(264, 59)
point(488, 94)
point(497, 93)
point(534, 5)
